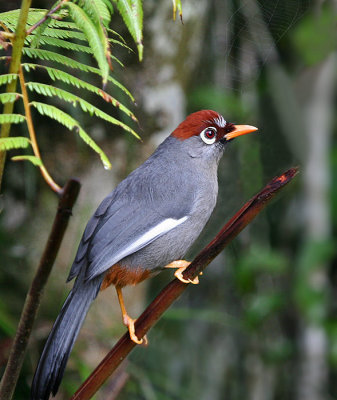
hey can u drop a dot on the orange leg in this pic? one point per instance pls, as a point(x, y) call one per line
point(128, 321)
point(181, 265)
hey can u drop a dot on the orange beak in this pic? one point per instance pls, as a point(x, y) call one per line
point(239, 131)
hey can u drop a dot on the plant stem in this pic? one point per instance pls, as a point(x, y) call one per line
point(32, 302)
point(17, 44)
point(175, 288)
point(48, 15)
point(32, 134)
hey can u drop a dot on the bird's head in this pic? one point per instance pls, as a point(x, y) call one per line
point(205, 133)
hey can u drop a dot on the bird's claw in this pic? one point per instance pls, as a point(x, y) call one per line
point(130, 323)
point(179, 275)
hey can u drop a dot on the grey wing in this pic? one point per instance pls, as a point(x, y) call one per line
point(121, 227)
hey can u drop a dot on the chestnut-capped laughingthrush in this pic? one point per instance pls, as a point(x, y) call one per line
point(143, 226)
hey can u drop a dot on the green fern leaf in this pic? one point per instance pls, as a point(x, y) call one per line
point(59, 58)
point(69, 62)
point(99, 10)
point(70, 123)
point(9, 97)
point(7, 78)
point(64, 34)
point(52, 91)
point(76, 82)
point(36, 37)
point(10, 18)
point(95, 36)
point(18, 142)
point(132, 14)
point(11, 118)
point(33, 159)
point(177, 6)
point(61, 43)
point(122, 44)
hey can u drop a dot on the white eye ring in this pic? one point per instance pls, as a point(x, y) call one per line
point(208, 135)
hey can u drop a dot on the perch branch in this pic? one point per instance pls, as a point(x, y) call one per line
point(175, 288)
point(32, 302)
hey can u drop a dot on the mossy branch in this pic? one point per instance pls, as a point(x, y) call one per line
point(175, 288)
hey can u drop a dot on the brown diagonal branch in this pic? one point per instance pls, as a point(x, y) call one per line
point(67, 200)
point(175, 288)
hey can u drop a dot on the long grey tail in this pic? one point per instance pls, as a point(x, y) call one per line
point(50, 370)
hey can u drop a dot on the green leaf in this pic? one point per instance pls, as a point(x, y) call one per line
point(9, 97)
point(33, 159)
point(99, 10)
point(61, 43)
point(72, 80)
point(69, 62)
point(65, 34)
point(95, 35)
point(132, 14)
point(177, 6)
point(69, 122)
point(11, 118)
point(7, 78)
point(18, 142)
point(52, 91)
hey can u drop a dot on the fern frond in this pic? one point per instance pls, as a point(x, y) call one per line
point(64, 44)
point(70, 123)
point(33, 159)
point(132, 14)
point(36, 37)
point(76, 82)
point(98, 10)
point(7, 78)
point(122, 44)
point(64, 34)
point(18, 142)
point(52, 91)
point(11, 118)
point(9, 97)
point(10, 18)
point(69, 62)
point(48, 55)
point(116, 34)
point(177, 6)
point(95, 35)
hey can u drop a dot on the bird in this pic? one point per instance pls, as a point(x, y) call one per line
point(145, 225)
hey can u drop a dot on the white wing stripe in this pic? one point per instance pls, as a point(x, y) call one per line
point(148, 237)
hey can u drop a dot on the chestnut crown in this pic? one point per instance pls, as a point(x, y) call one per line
point(195, 123)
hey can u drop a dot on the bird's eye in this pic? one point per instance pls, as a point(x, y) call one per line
point(208, 135)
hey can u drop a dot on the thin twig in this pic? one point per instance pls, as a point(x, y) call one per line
point(54, 186)
point(175, 288)
point(32, 302)
point(48, 15)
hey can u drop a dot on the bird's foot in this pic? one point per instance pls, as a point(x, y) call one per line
point(181, 265)
point(130, 323)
